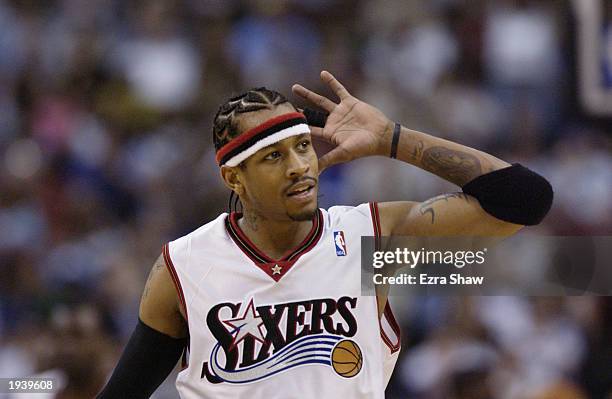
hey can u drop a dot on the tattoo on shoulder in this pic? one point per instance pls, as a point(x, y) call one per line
point(147, 288)
point(159, 264)
point(456, 166)
point(428, 206)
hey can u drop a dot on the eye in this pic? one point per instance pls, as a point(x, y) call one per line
point(304, 144)
point(272, 156)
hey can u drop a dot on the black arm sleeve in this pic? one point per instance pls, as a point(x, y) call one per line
point(514, 194)
point(145, 363)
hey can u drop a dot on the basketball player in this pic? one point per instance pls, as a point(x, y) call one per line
point(267, 302)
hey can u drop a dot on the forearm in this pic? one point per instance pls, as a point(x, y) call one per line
point(145, 363)
point(511, 193)
point(451, 161)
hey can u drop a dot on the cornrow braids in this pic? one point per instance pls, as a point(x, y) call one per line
point(225, 124)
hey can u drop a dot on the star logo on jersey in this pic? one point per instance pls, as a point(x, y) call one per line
point(276, 269)
point(248, 324)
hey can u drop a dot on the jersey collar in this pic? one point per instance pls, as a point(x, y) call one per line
point(275, 268)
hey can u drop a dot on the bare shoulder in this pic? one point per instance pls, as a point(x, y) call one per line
point(392, 215)
point(159, 306)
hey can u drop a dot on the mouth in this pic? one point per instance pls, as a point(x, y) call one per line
point(301, 191)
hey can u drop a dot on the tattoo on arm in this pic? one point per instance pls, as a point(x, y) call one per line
point(429, 210)
point(455, 166)
point(417, 150)
point(428, 206)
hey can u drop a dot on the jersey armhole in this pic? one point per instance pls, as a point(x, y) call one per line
point(175, 278)
point(179, 291)
point(389, 328)
point(375, 224)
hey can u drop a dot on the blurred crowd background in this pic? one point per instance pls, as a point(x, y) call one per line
point(106, 153)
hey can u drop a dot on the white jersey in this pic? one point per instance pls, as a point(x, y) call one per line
point(296, 327)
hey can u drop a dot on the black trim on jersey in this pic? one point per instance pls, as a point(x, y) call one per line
point(232, 229)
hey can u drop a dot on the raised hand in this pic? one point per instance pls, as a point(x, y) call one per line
point(355, 128)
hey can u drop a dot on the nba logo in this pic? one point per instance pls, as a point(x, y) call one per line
point(340, 243)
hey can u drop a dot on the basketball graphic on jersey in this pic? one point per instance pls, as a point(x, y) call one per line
point(346, 358)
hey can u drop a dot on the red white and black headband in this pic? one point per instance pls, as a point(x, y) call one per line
point(270, 132)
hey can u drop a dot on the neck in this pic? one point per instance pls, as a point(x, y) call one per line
point(273, 237)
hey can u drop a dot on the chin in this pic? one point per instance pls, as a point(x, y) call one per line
point(304, 214)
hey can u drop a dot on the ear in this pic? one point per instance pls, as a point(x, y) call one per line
point(232, 179)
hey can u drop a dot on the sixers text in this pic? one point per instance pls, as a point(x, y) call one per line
point(260, 341)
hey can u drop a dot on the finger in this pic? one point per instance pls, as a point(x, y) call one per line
point(334, 157)
point(314, 98)
point(336, 86)
point(319, 133)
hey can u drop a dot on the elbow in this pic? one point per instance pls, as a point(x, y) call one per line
point(540, 198)
point(514, 194)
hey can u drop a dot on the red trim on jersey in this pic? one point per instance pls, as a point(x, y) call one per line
point(244, 137)
point(175, 278)
point(387, 312)
point(376, 224)
point(263, 261)
point(185, 357)
point(388, 315)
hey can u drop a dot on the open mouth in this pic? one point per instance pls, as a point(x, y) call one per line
point(299, 191)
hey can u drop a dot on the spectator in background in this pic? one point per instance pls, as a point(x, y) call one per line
point(104, 115)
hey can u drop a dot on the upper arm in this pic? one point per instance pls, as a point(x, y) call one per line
point(452, 214)
point(449, 214)
point(159, 306)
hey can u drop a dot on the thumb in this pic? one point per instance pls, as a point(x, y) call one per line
point(333, 157)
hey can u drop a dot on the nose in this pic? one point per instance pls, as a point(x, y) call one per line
point(297, 165)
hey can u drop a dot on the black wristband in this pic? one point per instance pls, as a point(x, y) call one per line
point(395, 141)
